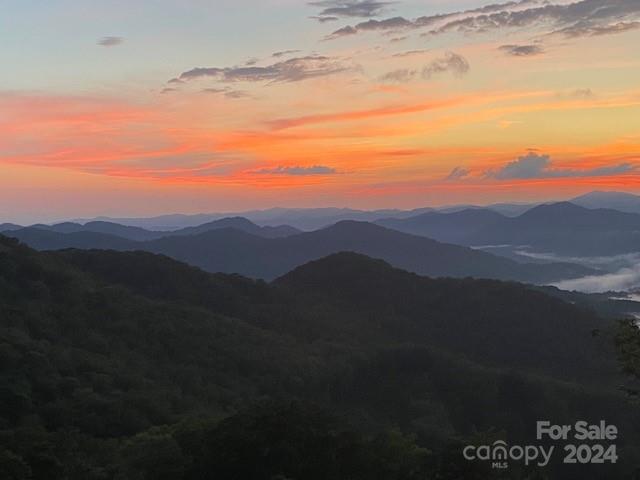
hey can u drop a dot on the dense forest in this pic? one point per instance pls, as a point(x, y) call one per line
point(130, 365)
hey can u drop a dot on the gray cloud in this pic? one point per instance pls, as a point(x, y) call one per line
point(522, 50)
point(403, 75)
point(582, 93)
point(284, 53)
point(350, 8)
point(592, 13)
point(325, 19)
point(451, 62)
point(298, 171)
point(587, 29)
point(390, 24)
point(580, 18)
point(215, 90)
point(237, 94)
point(457, 174)
point(228, 92)
point(291, 70)
point(401, 23)
point(410, 53)
point(110, 41)
point(533, 165)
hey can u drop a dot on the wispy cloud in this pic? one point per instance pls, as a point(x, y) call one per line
point(297, 170)
point(284, 53)
point(522, 50)
point(410, 53)
point(227, 92)
point(451, 62)
point(457, 174)
point(389, 24)
point(580, 18)
point(591, 29)
point(402, 75)
point(324, 19)
point(110, 41)
point(292, 70)
point(354, 115)
point(350, 8)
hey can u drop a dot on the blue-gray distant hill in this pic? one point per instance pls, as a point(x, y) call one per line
point(6, 227)
point(624, 202)
point(562, 228)
point(239, 223)
point(140, 234)
point(231, 250)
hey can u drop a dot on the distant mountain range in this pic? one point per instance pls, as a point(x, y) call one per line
point(141, 234)
point(233, 250)
point(562, 228)
point(309, 219)
point(624, 202)
point(300, 218)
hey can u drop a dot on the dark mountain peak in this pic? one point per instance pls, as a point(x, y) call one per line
point(349, 276)
point(337, 267)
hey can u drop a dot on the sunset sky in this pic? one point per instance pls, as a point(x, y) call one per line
point(120, 108)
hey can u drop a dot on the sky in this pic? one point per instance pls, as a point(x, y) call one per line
point(162, 106)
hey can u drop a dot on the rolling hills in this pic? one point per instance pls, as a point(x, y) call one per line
point(107, 373)
point(561, 228)
point(230, 250)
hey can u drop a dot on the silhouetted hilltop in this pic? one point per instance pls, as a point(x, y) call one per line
point(239, 223)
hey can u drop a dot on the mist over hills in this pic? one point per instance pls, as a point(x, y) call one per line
point(231, 250)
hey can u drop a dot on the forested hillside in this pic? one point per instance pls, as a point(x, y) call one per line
point(135, 366)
